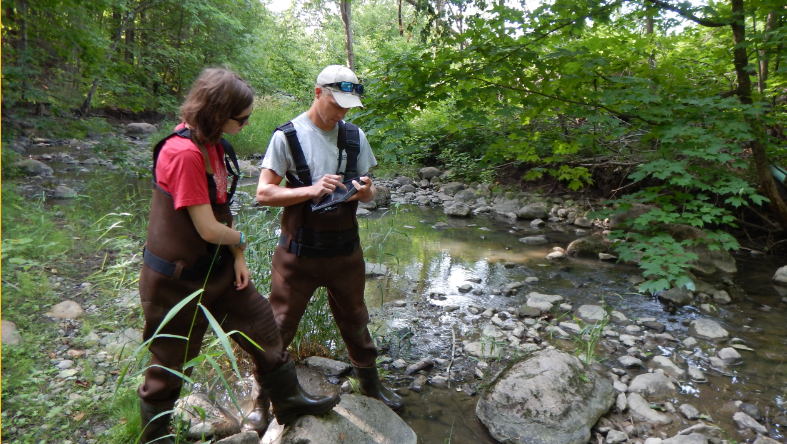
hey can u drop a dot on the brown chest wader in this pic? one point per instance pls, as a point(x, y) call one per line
point(322, 250)
point(178, 262)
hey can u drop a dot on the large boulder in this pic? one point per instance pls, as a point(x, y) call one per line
point(140, 129)
point(506, 205)
point(677, 295)
point(547, 397)
point(457, 209)
point(357, 419)
point(32, 167)
point(537, 210)
point(466, 196)
point(428, 173)
point(589, 246)
point(452, 188)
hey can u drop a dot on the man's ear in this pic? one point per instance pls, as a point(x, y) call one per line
point(317, 92)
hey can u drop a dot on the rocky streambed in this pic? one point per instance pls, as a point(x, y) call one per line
point(504, 315)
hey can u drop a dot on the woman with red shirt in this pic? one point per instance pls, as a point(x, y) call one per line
point(192, 246)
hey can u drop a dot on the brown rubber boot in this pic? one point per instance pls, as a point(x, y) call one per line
point(289, 400)
point(155, 428)
point(372, 387)
point(257, 420)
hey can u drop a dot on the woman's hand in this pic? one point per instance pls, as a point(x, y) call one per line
point(241, 271)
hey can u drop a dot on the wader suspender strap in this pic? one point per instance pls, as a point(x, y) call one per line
point(349, 140)
point(178, 270)
point(305, 250)
point(301, 167)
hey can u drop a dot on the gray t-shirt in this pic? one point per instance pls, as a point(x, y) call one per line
point(319, 149)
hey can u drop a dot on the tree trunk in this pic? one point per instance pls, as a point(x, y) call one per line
point(770, 24)
point(758, 145)
point(649, 32)
point(344, 6)
point(86, 105)
point(401, 28)
point(129, 43)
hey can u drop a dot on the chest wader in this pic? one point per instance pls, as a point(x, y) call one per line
point(177, 263)
point(322, 249)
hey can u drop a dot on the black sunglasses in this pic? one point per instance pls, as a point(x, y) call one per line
point(241, 120)
point(348, 87)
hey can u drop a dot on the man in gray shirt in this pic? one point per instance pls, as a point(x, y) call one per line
point(322, 248)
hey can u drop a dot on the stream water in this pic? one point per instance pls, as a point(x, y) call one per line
point(428, 265)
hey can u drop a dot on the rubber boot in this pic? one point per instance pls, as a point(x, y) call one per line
point(289, 400)
point(155, 430)
point(257, 420)
point(372, 387)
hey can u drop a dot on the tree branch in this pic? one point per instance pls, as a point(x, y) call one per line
point(687, 14)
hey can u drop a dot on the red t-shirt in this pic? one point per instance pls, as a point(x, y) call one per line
point(180, 171)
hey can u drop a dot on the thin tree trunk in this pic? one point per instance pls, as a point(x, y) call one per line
point(770, 24)
point(401, 28)
point(129, 53)
point(649, 32)
point(758, 145)
point(344, 6)
point(86, 105)
point(25, 55)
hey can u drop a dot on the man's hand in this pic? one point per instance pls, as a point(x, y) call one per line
point(366, 190)
point(326, 185)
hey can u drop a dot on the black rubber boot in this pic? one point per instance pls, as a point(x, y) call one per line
point(373, 388)
point(155, 430)
point(289, 400)
point(257, 420)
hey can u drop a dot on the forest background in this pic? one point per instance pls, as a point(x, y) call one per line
point(673, 104)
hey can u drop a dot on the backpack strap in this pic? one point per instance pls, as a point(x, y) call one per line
point(349, 140)
point(304, 178)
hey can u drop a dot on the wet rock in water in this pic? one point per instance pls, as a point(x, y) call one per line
point(751, 410)
point(541, 305)
point(696, 375)
point(551, 298)
point(327, 366)
point(780, 277)
point(439, 381)
point(482, 350)
point(32, 167)
point(450, 308)
point(718, 364)
point(474, 279)
point(655, 385)
point(583, 222)
point(606, 257)
point(729, 355)
point(654, 325)
point(399, 364)
point(10, 333)
point(510, 265)
point(356, 419)
point(557, 332)
point(689, 411)
point(745, 421)
point(418, 383)
point(457, 210)
point(537, 210)
point(375, 270)
point(668, 366)
point(618, 317)
point(537, 400)
point(407, 188)
point(707, 329)
point(534, 240)
point(640, 408)
point(589, 246)
point(63, 192)
point(765, 440)
point(530, 280)
point(570, 327)
point(677, 295)
point(590, 313)
point(526, 311)
point(66, 310)
point(556, 256)
point(441, 226)
point(694, 438)
point(629, 362)
point(721, 297)
point(464, 288)
point(711, 432)
point(621, 403)
point(140, 128)
point(469, 389)
point(423, 364)
point(689, 342)
point(429, 173)
point(536, 223)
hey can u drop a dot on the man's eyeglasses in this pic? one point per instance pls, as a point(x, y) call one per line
point(348, 87)
point(241, 120)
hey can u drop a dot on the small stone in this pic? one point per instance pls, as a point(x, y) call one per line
point(66, 310)
point(696, 375)
point(606, 257)
point(418, 383)
point(465, 288)
point(629, 362)
point(729, 355)
point(10, 333)
point(689, 411)
point(615, 436)
point(745, 421)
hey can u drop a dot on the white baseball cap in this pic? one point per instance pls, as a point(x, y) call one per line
point(336, 74)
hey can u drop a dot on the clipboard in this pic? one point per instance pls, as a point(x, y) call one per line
point(339, 195)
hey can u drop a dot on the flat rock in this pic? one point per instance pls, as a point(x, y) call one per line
point(694, 438)
point(729, 355)
point(653, 385)
point(707, 329)
point(356, 419)
point(327, 366)
point(745, 421)
point(677, 295)
point(590, 313)
point(629, 362)
point(689, 411)
point(640, 408)
point(534, 240)
point(374, 270)
point(551, 298)
point(140, 128)
point(668, 366)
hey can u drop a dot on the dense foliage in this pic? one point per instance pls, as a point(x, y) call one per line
point(686, 102)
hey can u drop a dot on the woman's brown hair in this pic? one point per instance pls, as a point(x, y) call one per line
point(215, 96)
